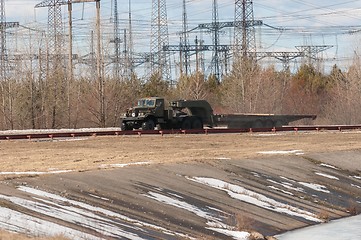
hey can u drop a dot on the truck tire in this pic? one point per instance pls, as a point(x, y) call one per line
point(148, 125)
point(186, 124)
point(197, 124)
point(124, 127)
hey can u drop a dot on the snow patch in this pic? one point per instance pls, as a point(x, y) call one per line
point(94, 218)
point(35, 173)
point(288, 152)
point(254, 198)
point(286, 185)
point(213, 223)
point(328, 166)
point(316, 187)
point(327, 176)
point(357, 186)
point(22, 223)
point(234, 234)
point(122, 165)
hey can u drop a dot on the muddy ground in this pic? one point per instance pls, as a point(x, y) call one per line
point(102, 175)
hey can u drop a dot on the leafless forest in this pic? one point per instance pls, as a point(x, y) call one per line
point(31, 102)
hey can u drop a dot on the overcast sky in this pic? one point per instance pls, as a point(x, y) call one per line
point(297, 22)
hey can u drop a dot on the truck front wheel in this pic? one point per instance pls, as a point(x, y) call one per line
point(197, 124)
point(186, 124)
point(125, 127)
point(148, 125)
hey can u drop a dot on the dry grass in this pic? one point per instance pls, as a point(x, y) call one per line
point(93, 152)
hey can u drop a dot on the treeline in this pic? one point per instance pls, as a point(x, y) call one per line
point(55, 102)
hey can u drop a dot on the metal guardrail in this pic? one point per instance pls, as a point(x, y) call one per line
point(73, 134)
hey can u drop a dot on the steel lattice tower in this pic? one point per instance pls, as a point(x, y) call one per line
point(3, 51)
point(160, 62)
point(215, 37)
point(185, 61)
point(55, 31)
point(244, 31)
point(117, 41)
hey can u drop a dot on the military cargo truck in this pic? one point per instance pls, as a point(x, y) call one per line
point(153, 112)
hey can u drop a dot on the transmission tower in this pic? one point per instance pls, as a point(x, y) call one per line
point(4, 65)
point(160, 62)
point(117, 41)
point(55, 33)
point(185, 58)
point(244, 31)
point(129, 49)
point(215, 38)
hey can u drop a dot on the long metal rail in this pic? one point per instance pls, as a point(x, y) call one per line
point(88, 133)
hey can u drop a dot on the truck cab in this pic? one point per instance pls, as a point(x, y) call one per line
point(144, 115)
point(180, 114)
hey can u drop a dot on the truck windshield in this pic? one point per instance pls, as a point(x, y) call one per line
point(146, 103)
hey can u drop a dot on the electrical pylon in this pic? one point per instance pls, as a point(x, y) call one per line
point(244, 31)
point(4, 66)
point(117, 41)
point(185, 58)
point(55, 30)
point(160, 62)
point(3, 53)
point(215, 38)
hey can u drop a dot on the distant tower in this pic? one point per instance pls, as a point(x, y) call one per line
point(215, 37)
point(55, 32)
point(116, 41)
point(129, 49)
point(3, 51)
point(160, 62)
point(244, 31)
point(185, 42)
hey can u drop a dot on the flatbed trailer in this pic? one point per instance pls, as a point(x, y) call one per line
point(247, 120)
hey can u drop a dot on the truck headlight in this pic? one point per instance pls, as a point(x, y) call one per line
point(133, 114)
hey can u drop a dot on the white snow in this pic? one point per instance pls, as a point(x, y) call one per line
point(94, 218)
point(287, 185)
point(342, 229)
point(357, 177)
point(357, 186)
point(22, 223)
point(280, 190)
point(214, 223)
point(35, 173)
point(327, 176)
point(328, 166)
point(234, 234)
point(180, 204)
point(316, 187)
point(287, 152)
point(254, 198)
point(122, 165)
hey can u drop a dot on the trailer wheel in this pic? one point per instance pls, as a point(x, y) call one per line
point(186, 124)
point(197, 124)
point(148, 125)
